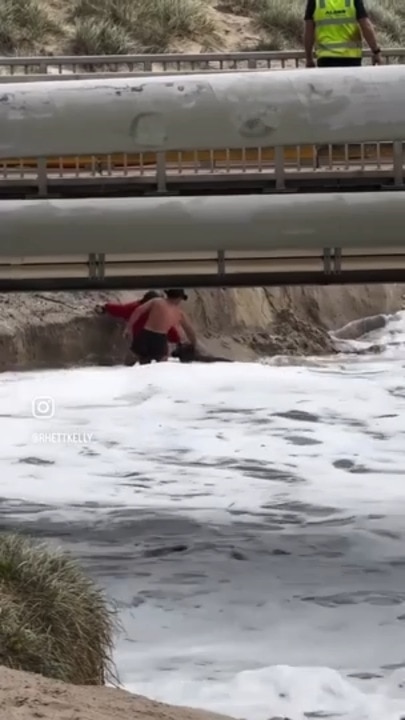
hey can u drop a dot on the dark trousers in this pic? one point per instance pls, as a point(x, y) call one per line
point(148, 346)
point(325, 62)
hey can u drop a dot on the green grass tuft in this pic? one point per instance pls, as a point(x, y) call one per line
point(238, 7)
point(24, 26)
point(53, 619)
point(99, 37)
point(281, 21)
point(144, 26)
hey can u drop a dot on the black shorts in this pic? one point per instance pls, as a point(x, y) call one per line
point(325, 62)
point(148, 346)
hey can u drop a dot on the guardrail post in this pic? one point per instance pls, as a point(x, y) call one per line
point(100, 259)
point(327, 261)
point(221, 262)
point(42, 178)
point(161, 172)
point(279, 169)
point(398, 157)
point(92, 265)
point(337, 260)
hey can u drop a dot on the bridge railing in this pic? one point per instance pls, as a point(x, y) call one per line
point(253, 239)
point(201, 269)
point(381, 163)
point(75, 64)
point(278, 168)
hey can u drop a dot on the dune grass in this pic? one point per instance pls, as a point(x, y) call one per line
point(238, 7)
point(119, 26)
point(104, 27)
point(24, 26)
point(53, 619)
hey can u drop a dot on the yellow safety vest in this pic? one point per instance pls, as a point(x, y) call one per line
point(337, 33)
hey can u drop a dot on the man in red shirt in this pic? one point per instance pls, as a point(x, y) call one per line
point(125, 310)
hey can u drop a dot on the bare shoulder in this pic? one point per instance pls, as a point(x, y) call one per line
point(156, 302)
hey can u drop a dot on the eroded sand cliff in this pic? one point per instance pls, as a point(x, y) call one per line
point(50, 330)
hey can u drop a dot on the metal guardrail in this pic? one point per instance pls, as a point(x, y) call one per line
point(369, 165)
point(114, 75)
point(209, 269)
point(169, 62)
point(374, 165)
point(286, 168)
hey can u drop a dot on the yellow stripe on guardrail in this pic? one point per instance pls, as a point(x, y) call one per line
point(370, 152)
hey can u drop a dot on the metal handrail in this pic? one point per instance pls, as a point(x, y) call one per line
point(199, 60)
point(158, 57)
point(384, 160)
point(171, 57)
point(375, 164)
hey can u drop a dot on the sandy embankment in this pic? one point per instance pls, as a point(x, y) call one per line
point(50, 330)
point(25, 696)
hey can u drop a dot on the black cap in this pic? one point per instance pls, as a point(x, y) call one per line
point(150, 295)
point(176, 294)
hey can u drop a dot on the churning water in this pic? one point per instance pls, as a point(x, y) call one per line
point(248, 519)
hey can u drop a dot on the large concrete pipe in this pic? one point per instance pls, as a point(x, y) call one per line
point(193, 224)
point(224, 110)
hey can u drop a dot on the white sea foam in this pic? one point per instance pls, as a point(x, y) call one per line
point(288, 598)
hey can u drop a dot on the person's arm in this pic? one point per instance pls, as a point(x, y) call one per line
point(189, 330)
point(369, 34)
point(309, 40)
point(309, 33)
point(368, 31)
point(118, 310)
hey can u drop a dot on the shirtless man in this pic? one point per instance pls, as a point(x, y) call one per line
point(163, 313)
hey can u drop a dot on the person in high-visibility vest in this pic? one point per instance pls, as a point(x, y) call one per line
point(334, 30)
